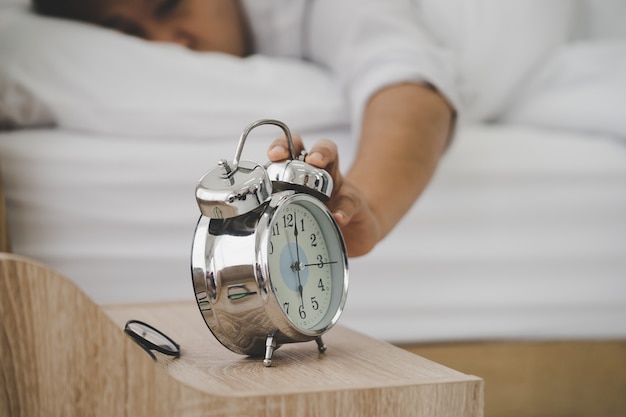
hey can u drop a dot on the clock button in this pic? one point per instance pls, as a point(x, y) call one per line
point(297, 174)
point(224, 192)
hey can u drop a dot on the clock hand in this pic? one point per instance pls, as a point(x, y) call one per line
point(295, 233)
point(298, 265)
point(320, 264)
point(295, 265)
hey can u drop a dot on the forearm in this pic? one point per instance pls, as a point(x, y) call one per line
point(404, 134)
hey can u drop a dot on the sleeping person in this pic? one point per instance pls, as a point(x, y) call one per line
point(397, 82)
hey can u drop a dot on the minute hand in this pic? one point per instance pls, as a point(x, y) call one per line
point(298, 266)
point(320, 264)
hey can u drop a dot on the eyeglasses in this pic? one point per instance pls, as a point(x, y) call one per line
point(151, 339)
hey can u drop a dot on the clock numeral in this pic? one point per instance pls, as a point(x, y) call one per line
point(275, 230)
point(286, 307)
point(315, 304)
point(314, 240)
point(302, 312)
point(321, 286)
point(288, 220)
point(302, 225)
point(320, 261)
point(271, 248)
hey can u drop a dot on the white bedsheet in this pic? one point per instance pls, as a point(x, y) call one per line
point(522, 233)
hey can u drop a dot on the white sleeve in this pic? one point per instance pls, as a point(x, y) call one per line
point(371, 44)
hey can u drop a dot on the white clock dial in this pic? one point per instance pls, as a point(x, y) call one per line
point(302, 265)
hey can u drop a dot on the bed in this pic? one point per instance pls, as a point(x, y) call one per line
point(521, 236)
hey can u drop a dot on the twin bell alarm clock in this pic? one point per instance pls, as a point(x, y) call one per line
point(269, 264)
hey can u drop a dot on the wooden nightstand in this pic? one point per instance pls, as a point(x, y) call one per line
point(63, 355)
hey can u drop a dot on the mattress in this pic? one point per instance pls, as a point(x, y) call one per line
point(521, 234)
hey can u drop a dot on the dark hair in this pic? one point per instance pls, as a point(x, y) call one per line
point(71, 9)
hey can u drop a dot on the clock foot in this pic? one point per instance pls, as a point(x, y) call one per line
point(270, 346)
point(320, 344)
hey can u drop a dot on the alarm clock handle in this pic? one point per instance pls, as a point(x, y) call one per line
point(246, 132)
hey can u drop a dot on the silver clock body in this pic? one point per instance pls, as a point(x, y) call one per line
point(236, 286)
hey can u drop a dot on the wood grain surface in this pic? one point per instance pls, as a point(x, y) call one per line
point(62, 355)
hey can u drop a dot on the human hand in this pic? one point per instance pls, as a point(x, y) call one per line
point(352, 212)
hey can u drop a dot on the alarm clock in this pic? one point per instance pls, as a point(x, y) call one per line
point(269, 264)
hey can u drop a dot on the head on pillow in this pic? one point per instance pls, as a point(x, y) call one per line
point(200, 25)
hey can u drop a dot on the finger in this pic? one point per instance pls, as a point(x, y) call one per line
point(341, 218)
point(344, 207)
point(323, 154)
point(279, 149)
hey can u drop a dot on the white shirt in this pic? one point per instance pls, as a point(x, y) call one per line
point(366, 44)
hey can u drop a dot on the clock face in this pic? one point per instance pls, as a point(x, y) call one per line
point(307, 264)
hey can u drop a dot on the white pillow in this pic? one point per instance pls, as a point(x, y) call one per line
point(83, 77)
